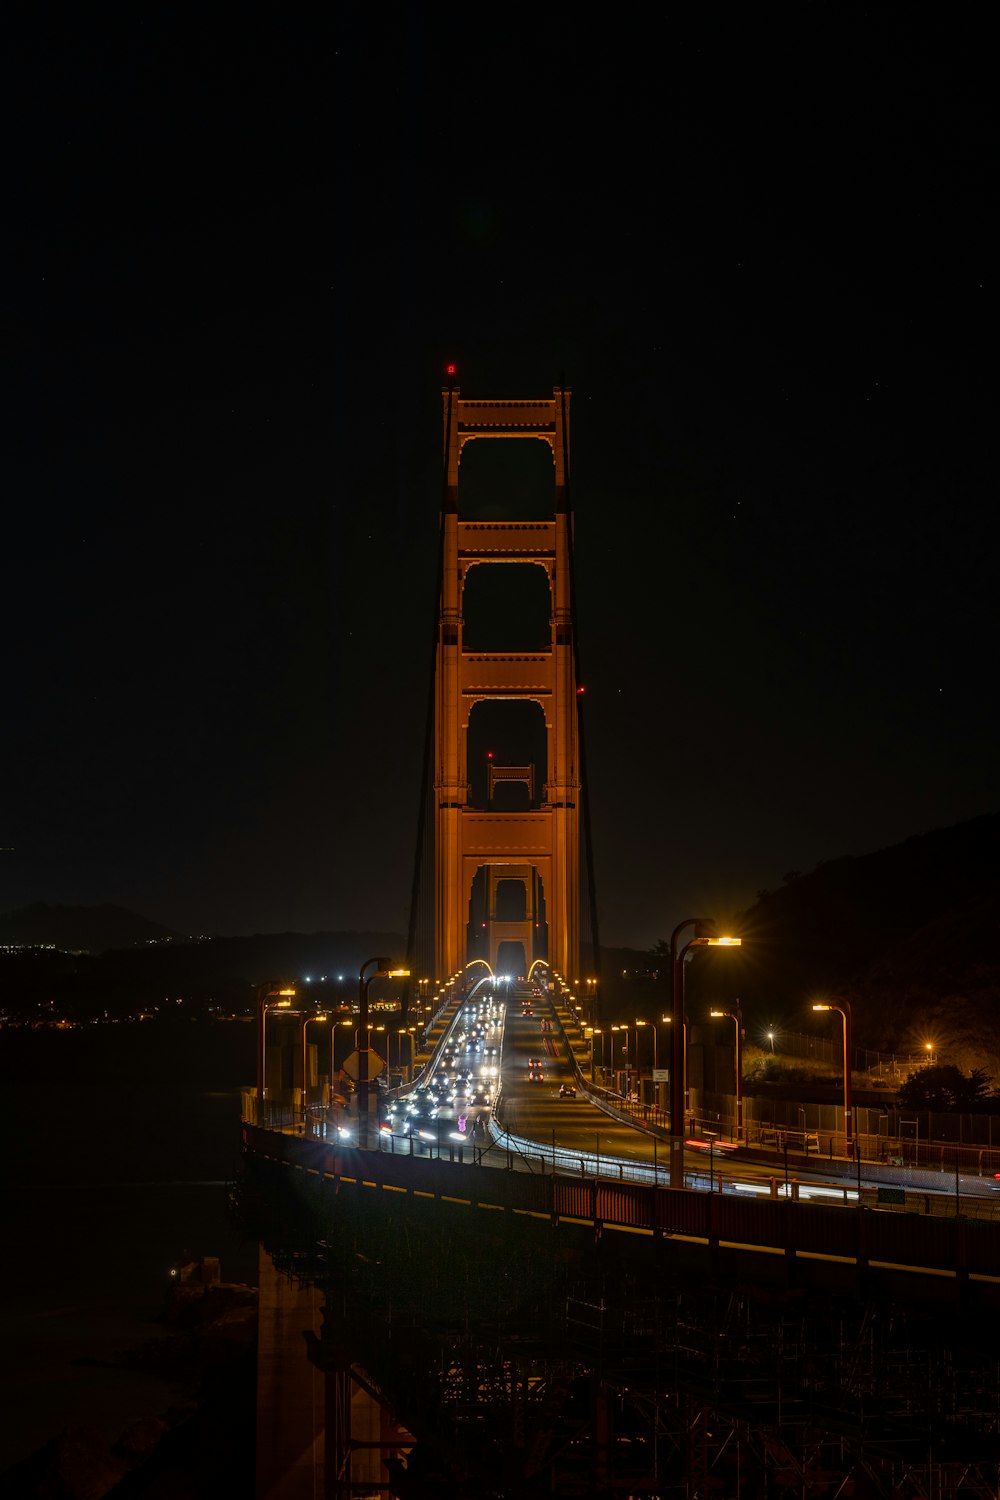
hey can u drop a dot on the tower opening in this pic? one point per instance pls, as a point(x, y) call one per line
point(512, 901)
point(510, 959)
point(512, 478)
point(506, 607)
point(506, 733)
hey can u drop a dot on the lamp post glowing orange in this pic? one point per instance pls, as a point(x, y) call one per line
point(269, 997)
point(361, 1039)
point(596, 1031)
point(678, 1082)
point(406, 1031)
point(845, 1011)
point(630, 1058)
point(638, 1068)
point(666, 1021)
point(306, 1022)
point(736, 1016)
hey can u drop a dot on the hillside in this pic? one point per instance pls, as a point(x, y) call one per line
point(79, 929)
point(907, 934)
point(211, 974)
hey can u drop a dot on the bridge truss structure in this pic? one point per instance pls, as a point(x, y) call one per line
point(539, 1352)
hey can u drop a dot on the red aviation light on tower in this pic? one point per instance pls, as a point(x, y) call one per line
point(451, 369)
point(489, 755)
point(581, 690)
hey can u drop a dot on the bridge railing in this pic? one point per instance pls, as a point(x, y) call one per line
point(904, 1239)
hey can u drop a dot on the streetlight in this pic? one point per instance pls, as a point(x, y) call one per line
point(678, 1082)
point(306, 1020)
point(591, 998)
point(588, 1033)
point(613, 1030)
point(665, 1021)
point(845, 1011)
point(382, 971)
point(269, 997)
point(638, 1068)
point(628, 1053)
point(597, 1031)
point(406, 1031)
point(736, 1016)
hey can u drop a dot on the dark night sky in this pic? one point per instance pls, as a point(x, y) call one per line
point(760, 245)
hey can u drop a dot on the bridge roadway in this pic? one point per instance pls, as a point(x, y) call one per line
point(527, 1106)
point(567, 1161)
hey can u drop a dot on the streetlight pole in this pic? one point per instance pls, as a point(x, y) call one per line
point(737, 1016)
point(666, 1021)
point(305, 1064)
point(598, 1031)
point(678, 1088)
point(382, 970)
point(845, 1012)
point(361, 1044)
point(269, 997)
point(591, 998)
point(638, 1067)
point(677, 1019)
point(406, 1031)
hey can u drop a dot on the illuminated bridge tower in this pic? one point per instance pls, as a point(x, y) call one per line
point(539, 847)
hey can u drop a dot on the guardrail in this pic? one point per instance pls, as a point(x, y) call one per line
point(965, 1249)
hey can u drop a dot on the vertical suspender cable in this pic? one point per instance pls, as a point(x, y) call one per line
point(425, 776)
point(584, 778)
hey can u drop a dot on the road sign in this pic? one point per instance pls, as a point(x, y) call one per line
point(352, 1065)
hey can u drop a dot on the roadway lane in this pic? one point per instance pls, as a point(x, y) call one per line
point(536, 1061)
point(531, 1108)
point(513, 1032)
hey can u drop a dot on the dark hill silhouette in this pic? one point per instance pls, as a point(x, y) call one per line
point(210, 975)
point(907, 934)
point(80, 929)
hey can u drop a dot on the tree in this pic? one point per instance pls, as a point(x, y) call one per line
point(945, 1088)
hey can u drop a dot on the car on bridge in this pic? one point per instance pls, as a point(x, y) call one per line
point(535, 1071)
point(567, 1091)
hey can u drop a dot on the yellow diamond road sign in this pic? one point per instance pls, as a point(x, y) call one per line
point(352, 1064)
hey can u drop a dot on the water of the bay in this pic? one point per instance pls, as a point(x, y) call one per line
point(119, 1142)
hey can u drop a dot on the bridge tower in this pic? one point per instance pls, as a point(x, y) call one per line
point(539, 847)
